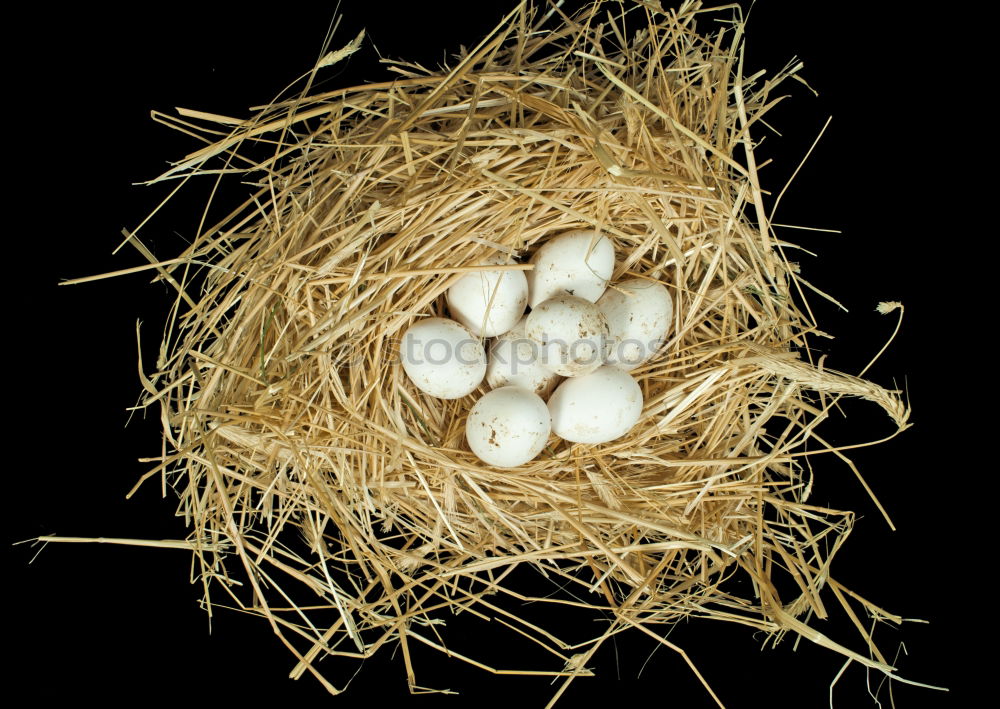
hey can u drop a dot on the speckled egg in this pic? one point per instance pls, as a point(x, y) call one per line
point(577, 263)
point(572, 333)
point(508, 427)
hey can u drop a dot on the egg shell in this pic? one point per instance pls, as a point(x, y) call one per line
point(442, 358)
point(516, 360)
point(639, 319)
point(572, 333)
point(489, 303)
point(508, 427)
point(597, 407)
point(577, 262)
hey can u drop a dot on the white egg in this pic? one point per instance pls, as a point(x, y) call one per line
point(596, 408)
point(639, 319)
point(572, 334)
point(578, 262)
point(514, 359)
point(508, 427)
point(442, 358)
point(489, 303)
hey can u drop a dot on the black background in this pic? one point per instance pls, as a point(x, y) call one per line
point(121, 624)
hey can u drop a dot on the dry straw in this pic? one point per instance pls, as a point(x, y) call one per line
point(328, 495)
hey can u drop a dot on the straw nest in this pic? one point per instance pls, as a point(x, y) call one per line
point(327, 494)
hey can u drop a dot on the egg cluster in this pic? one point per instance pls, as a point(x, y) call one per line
point(563, 368)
